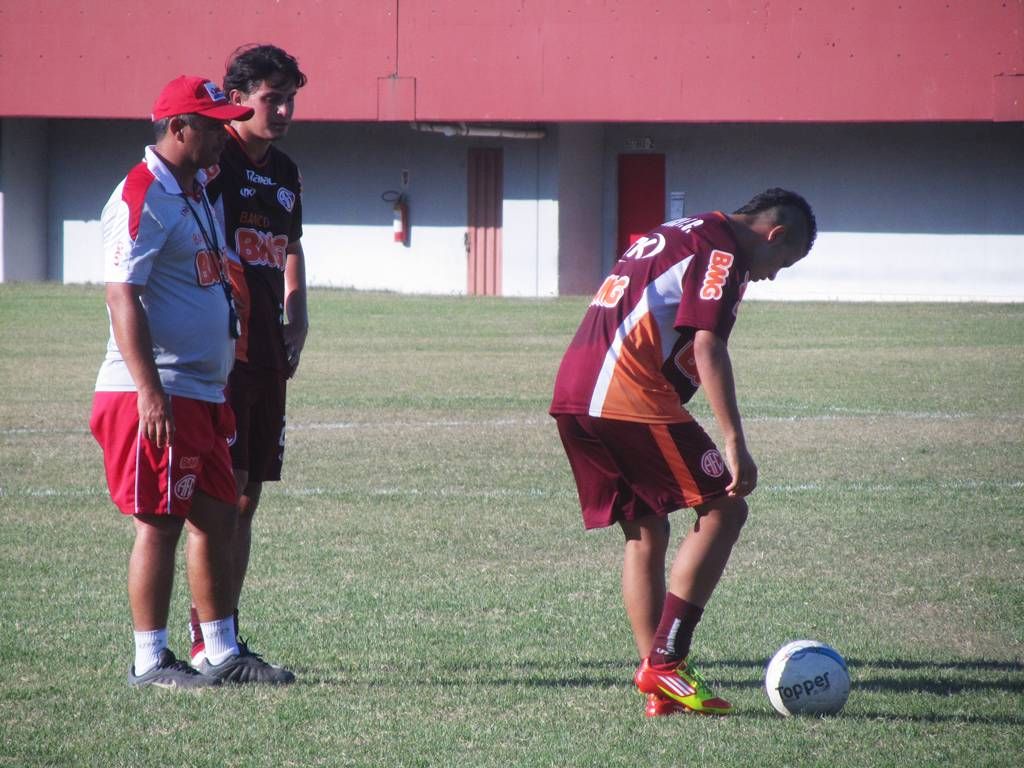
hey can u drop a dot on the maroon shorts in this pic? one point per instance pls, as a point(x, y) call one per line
point(627, 470)
point(257, 396)
point(144, 479)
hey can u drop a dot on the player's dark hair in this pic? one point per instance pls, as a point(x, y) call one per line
point(786, 203)
point(250, 65)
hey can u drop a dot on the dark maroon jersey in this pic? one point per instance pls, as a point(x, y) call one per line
point(261, 209)
point(632, 357)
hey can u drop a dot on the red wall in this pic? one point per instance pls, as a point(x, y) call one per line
point(536, 60)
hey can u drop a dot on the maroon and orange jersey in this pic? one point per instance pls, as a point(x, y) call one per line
point(632, 357)
point(260, 205)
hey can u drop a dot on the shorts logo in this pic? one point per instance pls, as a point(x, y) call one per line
point(286, 198)
point(190, 462)
point(185, 487)
point(718, 272)
point(712, 464)
point(247, 192)
point(233, 439)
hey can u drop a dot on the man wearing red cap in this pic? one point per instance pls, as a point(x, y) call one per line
point(159, 412)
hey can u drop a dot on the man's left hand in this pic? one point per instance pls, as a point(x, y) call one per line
point(294, 341)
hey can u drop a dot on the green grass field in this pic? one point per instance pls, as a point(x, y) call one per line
point(423, 569)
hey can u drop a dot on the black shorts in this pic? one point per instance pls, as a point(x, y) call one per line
point(257, 396)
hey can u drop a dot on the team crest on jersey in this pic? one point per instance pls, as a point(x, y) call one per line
point(286, 198)
point(185, 487)
point(712, 464)
point(686, 364)
point(645, 247)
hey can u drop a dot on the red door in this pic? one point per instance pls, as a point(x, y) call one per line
point(641, 196)
point(483, 238)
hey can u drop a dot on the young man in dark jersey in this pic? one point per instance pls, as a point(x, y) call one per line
point(257, 190)
point(656, 330)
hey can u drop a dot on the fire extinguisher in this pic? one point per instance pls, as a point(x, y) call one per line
point(400, 215)
point(400, 223)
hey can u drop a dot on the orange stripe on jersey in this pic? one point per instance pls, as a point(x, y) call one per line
point(243, 306)
point(637, 387)
point(667, 446)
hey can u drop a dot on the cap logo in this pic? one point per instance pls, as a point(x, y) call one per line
point(215, 93)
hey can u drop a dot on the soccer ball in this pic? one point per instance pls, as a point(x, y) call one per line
point(806, 677)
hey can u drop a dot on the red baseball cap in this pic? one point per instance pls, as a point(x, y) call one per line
point(186, 95)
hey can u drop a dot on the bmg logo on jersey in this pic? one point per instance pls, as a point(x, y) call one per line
point(718, 272)
point(286, 198)
point(261, 248)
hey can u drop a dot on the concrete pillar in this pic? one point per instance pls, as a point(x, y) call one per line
point(580, 164)
point(23, 200)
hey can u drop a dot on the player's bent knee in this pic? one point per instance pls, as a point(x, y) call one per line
point(650, 531)
point(728, 512)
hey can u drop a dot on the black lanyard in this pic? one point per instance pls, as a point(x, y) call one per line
point(234, 326)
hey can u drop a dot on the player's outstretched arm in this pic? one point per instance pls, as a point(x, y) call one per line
point(715, 368)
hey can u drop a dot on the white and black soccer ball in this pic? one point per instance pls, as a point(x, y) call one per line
point(806, 677)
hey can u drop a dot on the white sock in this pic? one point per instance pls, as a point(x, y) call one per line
point(148, 645)
point(219, 637)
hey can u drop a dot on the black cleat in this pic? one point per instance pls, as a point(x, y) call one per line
point(246, 667)
point(171, 673)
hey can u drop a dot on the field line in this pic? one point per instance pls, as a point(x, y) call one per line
point(839, 414)
point(388, 491)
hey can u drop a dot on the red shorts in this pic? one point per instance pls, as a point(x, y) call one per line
point(257, 397)
point(627, 470)
point(146, 480)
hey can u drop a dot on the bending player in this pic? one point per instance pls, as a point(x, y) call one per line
point(656, 330)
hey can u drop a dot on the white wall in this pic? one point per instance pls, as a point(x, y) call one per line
point(923, 212)
point(903, 267)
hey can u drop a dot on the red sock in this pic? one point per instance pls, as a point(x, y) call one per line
point(675, 632)
point(195, 632)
